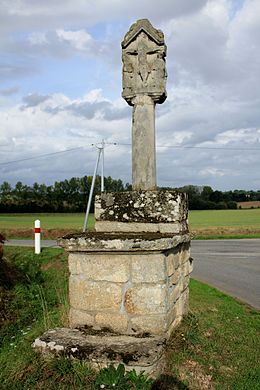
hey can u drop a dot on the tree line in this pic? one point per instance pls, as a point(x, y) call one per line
point(63, 196)
point(204, 198)
point(72, 195)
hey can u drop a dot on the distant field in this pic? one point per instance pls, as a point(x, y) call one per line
point(48, 221)
point(225, 222)
point(249, 205)
point(202, 223)
point(52, 225)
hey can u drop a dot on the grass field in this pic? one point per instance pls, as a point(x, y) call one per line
point(203, 223)
point(217, 346)
point(225, 223)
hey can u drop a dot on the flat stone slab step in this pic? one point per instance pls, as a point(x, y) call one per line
point(117, 241)
point(102, 347)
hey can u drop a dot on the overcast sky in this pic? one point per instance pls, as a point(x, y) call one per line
point(60, 89)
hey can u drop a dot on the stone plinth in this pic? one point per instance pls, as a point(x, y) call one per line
point(131, 283)
point(142, 211)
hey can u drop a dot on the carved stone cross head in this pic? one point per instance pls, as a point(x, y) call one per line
point(143, 55)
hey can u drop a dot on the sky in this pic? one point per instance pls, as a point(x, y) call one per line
point(60, 91)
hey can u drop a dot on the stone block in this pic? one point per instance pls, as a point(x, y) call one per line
point(186, 281)
point(171, 315)
point(88, 295)
point(175, 277)
point(185, 268)
point(116, 322)
point(80, 318)
point(107, 267)
point(148, 268)
point(154, 324)
point(174, 293)
point(172, 262)
point(149, 299)
point(115, 226)
point(75, 264)
point(185, 252)
point(182, 304)
point(142, 206)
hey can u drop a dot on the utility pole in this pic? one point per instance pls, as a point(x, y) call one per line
point(100, 152)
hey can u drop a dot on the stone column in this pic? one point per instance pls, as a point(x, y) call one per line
point(143, 150)
point(144, 85)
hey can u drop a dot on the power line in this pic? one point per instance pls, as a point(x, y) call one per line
point(189, 147)
point(41, 155)
point(127, 144)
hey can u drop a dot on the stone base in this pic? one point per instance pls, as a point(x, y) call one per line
point(130, 277)
point(129, 283)
point(102, 347)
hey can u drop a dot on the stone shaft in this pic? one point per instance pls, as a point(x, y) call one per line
point(143, 147)
point(144, 85)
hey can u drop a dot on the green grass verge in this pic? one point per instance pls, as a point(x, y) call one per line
point(216, 346)
point(218, 343)
point(226, 236)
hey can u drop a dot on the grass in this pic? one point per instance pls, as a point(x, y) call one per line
point(203, 224)
point(53, 225)
point(217, 345)
point(48, 220)
point(225, 223)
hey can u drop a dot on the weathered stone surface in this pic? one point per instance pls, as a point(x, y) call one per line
point(175, 277)
point(102, 348)
point(151, 207)
point(113, 226)
point(143, 146)
point(75, 267)
point(90, 295)
point(143, 54)
point(155, 324)
point(185, 253)
point(145, 299)
point(105, 242)
point(117, 322)
point(80, 318)
point(106, 267)
point(172, 261)
point(148, 268)
point(174, 293)
point(144, 80)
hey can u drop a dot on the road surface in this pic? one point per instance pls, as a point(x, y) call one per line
point(232, 266)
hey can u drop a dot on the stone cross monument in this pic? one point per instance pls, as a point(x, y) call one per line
point(144, 79)
point(129, 279)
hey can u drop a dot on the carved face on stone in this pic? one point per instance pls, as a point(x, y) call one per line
point(143, 56)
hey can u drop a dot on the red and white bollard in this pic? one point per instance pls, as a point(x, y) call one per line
point(37, 236)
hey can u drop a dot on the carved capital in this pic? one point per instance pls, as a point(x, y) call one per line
point(143, 55)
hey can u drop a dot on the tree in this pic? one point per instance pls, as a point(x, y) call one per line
point(206, 193)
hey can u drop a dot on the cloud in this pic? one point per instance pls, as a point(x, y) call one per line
point(10, 71)
point(33, 100)
point(9, 91)
point(209, 126)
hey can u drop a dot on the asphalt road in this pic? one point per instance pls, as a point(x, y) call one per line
point(232, 266)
